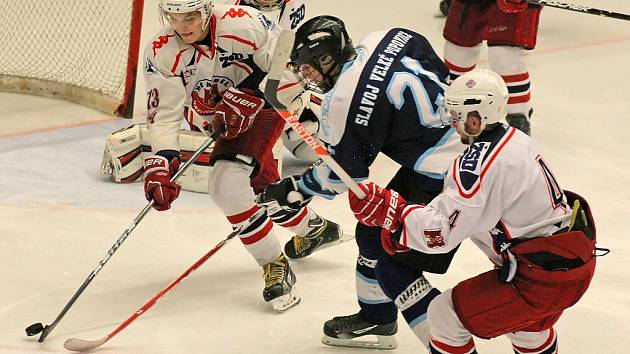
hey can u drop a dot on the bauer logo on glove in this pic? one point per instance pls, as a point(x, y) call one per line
point(237, 112)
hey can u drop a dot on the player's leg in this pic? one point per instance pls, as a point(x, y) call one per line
point(543, 342)
point(462, 32)
point(230, 190)
point(312, 232)
point(411, 291)
point(447, 333)
point(401, 275)
point(240, 166)
point(506, 55)
point(381, 278)
point(374, 326)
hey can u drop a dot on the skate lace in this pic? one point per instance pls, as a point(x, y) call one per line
point(301, 244)
point(274, 272)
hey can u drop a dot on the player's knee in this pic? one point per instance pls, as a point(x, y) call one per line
point(229, 182)
point(395, 277)
point(506, 60)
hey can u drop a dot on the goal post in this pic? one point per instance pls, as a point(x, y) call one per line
point(83, 51)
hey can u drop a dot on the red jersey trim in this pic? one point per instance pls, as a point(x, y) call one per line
point(178, 57)
point(241, 40)
point(286, 86)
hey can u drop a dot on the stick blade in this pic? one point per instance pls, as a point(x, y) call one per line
point(80, 345)
point(281, 54)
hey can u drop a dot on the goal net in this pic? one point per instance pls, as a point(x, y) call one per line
point(84, 51)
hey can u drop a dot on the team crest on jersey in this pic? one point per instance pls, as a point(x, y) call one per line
point(266, 22)
point(205, 97)
point(149, 67)
point(434, 238)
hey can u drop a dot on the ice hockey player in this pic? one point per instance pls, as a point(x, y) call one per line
point(509, 27)
point(502, 194)
point(122, 158)
point(206, 66)
point(382, 96)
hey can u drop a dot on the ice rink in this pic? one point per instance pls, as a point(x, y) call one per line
point(59, 216)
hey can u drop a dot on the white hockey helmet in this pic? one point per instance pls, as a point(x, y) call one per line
point(204, 7)
point(480, 90)
point(265, 5)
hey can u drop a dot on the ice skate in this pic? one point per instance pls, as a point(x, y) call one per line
point(352, 331)
point(324, 234)
point(279, 284)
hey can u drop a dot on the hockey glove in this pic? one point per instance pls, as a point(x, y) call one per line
point(390, 245)
point(283, 195)
point(157, 185)
point(512, 6)
point(381, 207)
point(236, 111)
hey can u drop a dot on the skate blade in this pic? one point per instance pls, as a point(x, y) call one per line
point(344, 238)
point(285, 302)
point(379, 342)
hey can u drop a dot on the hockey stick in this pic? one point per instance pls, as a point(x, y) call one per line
point(279, 62)
point(37, 328)
point(580, 8)
point(81, 345)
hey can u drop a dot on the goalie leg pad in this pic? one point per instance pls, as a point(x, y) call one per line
point(197, 177)
point(124, 150)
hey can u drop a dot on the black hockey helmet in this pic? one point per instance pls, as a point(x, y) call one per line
point(323, 43)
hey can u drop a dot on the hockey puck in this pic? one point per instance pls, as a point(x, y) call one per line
point(35, 328)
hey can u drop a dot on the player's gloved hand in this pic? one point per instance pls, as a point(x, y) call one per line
point(157, 184)
point(390, 245)
point(283, 195)
point(512, 6)
point(381, 207)
point(236, 111)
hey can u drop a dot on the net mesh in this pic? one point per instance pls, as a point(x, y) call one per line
point(81, 43)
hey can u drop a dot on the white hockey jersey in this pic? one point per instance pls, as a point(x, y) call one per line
point(288, 16)
point(187, 81)
point(498, 190)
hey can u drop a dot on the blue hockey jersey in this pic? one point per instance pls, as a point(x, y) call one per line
point(386, 100)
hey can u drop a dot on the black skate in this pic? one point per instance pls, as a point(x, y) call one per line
point(520, 121)
point(349, 331)
point(324, 234)
point(279, 284)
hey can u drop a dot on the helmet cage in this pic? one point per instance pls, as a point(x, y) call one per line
point(323, 40)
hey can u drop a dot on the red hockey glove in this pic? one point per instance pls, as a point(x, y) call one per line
point(157, 183)
point(390, 245)
point(236, 111)
point(381, 207)
point(512, 6)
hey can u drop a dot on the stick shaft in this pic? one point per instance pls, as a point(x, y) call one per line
point(582, 9)
point(123, 237)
